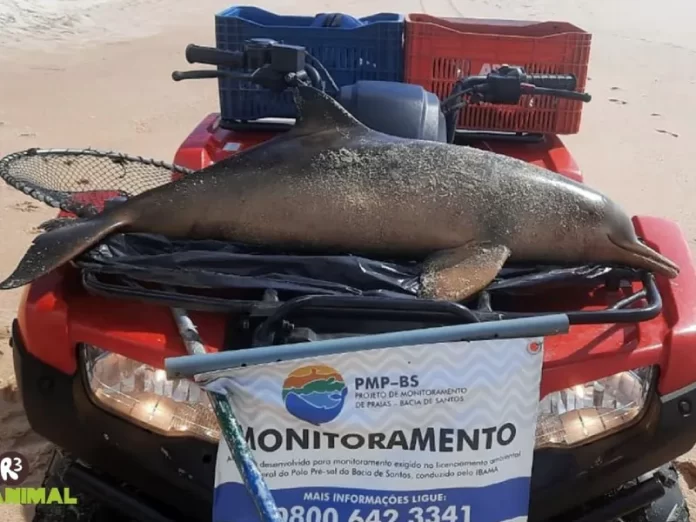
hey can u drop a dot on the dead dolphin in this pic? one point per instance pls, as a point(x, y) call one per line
point(332, 184)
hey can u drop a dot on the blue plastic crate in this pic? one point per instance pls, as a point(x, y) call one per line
point(372, 50)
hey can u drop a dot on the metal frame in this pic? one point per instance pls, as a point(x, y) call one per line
point(628, 310)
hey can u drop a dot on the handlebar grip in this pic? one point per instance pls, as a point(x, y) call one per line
point(566, 82)
point(212, 56)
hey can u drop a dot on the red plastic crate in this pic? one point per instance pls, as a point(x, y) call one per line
point(440, 50)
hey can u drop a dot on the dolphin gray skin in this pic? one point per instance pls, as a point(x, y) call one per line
point(332, 184)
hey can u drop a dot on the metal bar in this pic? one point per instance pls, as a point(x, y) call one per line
point(231, 429)
point(615, 314)
point(192, 365)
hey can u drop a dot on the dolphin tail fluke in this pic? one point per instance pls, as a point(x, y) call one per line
point(637, 254)
point(58, 246)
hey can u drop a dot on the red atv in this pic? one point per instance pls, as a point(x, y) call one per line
point(90, 339)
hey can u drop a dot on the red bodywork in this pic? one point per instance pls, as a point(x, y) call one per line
point(56, 313)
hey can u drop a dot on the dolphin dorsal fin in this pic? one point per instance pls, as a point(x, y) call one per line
point(320, 112)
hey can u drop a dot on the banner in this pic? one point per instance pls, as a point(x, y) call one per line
point(430, 433)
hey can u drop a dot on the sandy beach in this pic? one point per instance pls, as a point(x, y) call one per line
point(78, 73)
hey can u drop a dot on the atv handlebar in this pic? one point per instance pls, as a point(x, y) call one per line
point(506, 85)
point(262, 61)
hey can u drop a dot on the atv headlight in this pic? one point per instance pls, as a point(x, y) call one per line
point(594, 409)
point(143, 394)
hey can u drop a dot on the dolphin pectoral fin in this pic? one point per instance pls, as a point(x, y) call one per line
point(454, 275)
point(58, 246)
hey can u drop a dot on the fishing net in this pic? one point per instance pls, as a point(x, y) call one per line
point(80, 181)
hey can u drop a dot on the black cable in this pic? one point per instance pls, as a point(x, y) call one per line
point(320, 67)
point(314, 77)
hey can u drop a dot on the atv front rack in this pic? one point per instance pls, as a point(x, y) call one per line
point(600, 295)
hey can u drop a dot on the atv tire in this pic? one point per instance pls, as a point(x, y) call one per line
point(87, 509)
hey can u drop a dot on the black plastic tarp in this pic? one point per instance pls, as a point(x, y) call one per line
point(209, 264)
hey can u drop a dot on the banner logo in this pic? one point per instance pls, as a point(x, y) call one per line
point(315, 393)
